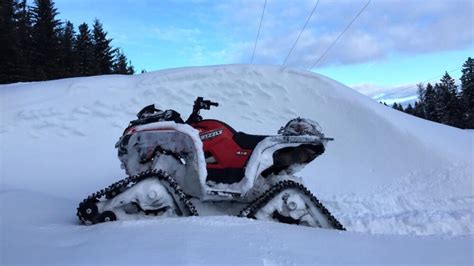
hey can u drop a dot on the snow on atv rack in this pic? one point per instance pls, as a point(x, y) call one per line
point(204, 166)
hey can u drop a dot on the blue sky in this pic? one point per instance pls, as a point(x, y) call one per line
point(391, 46)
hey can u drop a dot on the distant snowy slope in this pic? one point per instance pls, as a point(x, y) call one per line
point(386, 172)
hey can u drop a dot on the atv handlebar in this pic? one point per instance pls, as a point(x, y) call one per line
point(213, 103)
point(199, 104)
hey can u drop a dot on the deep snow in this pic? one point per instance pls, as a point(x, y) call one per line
point(52, 238)
point(388, 177)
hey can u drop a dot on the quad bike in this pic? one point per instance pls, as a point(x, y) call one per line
point(180, 168)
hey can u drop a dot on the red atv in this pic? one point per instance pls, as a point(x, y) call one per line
point(182, 168)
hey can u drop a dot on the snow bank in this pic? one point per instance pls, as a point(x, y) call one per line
point(386, 172)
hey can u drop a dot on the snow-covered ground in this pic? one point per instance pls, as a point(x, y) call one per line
point(402, 186)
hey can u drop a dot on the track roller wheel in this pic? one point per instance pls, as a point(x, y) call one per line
point(112, 194)
point(89, 211)
point(107, 216)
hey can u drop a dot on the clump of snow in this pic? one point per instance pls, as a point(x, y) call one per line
point(386, 172)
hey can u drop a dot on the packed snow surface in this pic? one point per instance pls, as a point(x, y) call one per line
point(402, 186)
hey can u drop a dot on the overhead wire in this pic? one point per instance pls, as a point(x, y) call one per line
point(258, 33)
point(340, 35)
point(299, 35)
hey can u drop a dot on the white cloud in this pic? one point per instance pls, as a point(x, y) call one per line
point(227, 55)
point(175, 34)
point(404, 94)
point(386, 27)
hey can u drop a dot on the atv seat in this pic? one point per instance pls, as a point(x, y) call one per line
point(247, 141)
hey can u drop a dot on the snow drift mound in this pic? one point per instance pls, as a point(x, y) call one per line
point(386, 172)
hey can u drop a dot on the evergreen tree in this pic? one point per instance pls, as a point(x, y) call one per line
point(455, 107)
point(456, 111)
point(9, 52)
point(45, 40)
point(34, 45)
point(120, 65)
point(103, 52)
point(442, 98)
point(68, 53)
point(397, 106)
point(84, 51)
point(448, 105)
point(444, 103)
point(429, 103)
point(130, 68)
point(25, 30)
point(418, 110)
point(467, 93)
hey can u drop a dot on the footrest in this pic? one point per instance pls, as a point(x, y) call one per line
point(224, 193)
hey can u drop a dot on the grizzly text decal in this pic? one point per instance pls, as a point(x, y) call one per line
point(211, 134)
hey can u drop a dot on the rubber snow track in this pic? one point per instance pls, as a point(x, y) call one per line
point(111, 191)
point(268, 195)
point(89, 217)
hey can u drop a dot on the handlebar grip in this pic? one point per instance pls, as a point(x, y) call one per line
point(209, 103)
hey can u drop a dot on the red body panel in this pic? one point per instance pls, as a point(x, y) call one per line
point(217, 139)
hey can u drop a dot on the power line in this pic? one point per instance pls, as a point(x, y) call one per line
point(258, 33)
point(413, 86)
point(299, 35)
point(342, 33)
